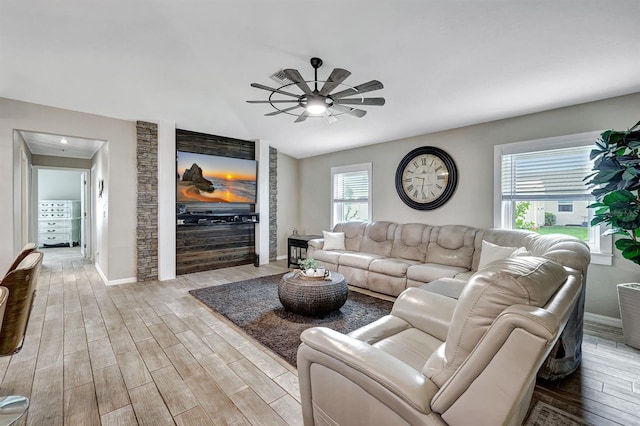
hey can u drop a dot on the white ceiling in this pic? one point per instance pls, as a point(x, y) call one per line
point(60, 145)
point(444, 63)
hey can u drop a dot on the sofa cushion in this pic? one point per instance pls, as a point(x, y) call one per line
point(353, 232)
point(386, 284)
point(449, 287)
point(426, 272)
point(411, 346)
point(517, 280)
point(451, 245)
point(327, 256)
point(410, 241)
point(378, 238)
point(392, 266)
point(333, 240)
point(357, 260)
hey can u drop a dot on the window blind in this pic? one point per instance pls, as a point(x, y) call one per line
point(555, 174)
point(351, 186)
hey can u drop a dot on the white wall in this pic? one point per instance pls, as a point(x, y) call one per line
point(472, 204)
point(288, 212)
point(59, 184)
point(117, 238)
point(101, 219)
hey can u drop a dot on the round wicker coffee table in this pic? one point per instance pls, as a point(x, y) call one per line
point(312, 297)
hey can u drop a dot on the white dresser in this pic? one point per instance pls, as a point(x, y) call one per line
point(58, 222)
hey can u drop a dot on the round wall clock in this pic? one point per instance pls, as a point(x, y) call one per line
point(426, 178)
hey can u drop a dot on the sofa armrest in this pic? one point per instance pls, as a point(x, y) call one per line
point(366, 365)
point(316, 243)
point(426, 311)
point(506, 358)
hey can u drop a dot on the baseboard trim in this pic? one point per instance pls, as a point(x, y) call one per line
point(603, 319)
point(113, 282)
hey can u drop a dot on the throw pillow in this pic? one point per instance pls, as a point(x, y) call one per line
point(333, 240)
point(492, 252)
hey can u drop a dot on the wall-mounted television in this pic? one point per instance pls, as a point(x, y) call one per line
point(203, 178)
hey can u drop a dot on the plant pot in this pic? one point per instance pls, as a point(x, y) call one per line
point(629, 301)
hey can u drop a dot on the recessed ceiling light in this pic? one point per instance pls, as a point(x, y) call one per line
point(63, 140)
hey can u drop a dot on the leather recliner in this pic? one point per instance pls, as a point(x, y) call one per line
point(437, 361)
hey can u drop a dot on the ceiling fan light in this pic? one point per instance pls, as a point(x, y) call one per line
point(316, 106)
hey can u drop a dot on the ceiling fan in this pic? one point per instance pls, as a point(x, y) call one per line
point(320, 102)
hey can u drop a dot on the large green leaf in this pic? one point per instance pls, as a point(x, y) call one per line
point(630, 251)
point(618, 196)
point(615, 137)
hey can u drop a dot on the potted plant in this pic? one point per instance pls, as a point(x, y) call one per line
point(311, 268)
point(616, 183)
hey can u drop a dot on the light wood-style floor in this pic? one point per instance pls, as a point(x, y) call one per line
point(149, 353)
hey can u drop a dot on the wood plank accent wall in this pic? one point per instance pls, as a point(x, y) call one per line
point(203, 248)
point(219, 245)
point(202, 143)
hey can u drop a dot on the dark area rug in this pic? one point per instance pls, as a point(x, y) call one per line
point(254, 306)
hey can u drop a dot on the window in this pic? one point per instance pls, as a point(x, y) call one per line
point(350, 193)
point(540, 186)
point(565, 206)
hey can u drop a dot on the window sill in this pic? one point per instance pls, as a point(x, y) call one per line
point(600, 258)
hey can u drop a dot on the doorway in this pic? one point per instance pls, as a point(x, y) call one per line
point(61, 210)
point(55, 211)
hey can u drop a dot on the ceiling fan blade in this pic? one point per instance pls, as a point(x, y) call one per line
point(295, 76)
point(302, 116)
point(361, 88)
point(280, 111)
point(351, 111)
point(365, 101)
point(276, 101)
point(271, 89)
point(338, 75)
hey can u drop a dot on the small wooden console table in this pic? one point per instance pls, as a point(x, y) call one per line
point(297, 248)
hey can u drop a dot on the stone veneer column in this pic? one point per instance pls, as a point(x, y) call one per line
point(147, 201)
point(273, 203)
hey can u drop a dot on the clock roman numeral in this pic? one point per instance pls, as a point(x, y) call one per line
point(438, 186)
point(415, 194)
point(438, 168)
point(415, 163)
point(408, 179)
point(424, 161)
point(410, 188)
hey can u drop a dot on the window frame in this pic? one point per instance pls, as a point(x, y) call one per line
point(566, 204)
point(350, 169)
point(601, 247)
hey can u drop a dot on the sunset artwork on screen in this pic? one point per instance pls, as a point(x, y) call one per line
point(214, 179)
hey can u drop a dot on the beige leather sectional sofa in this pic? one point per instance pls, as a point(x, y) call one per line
point(466, 351)
point(438, 361)
point(388, 257)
